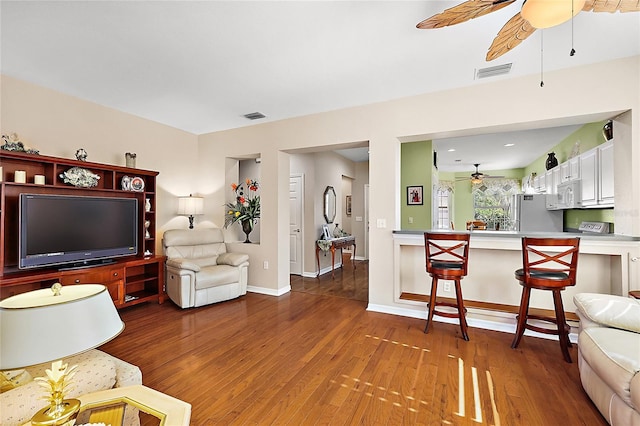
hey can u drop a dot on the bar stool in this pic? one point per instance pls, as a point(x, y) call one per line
point(548, 264)
point(447, 255)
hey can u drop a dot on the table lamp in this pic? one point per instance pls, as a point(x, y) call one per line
point(190, 206)
point(49, 324)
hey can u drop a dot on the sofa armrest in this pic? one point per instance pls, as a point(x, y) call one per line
point(609, 310)
point(232, 259)
point(180, 263)
point(126, 374)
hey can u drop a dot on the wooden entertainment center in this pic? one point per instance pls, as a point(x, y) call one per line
point(130, 280)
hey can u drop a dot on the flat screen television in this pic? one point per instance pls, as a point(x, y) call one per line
point(75, 230)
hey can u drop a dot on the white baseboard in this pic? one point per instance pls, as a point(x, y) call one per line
point(269, 291)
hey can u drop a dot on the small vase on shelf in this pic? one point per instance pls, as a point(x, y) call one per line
point(552, 161)
point(147, 205)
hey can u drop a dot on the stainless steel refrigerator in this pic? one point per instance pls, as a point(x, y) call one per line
point(530, 214)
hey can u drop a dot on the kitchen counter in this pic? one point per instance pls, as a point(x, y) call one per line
point(607, 264)
point(516, 234)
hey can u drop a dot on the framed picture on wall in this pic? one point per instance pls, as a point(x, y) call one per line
point(326, 233)
point(414, 195)
point(348, 205)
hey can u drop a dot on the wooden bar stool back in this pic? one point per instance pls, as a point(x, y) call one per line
point(447, 256)
point(547, 264)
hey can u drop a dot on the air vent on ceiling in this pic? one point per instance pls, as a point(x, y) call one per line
point(254, 116)
point(493, 71)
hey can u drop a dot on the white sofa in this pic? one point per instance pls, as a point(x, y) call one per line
point(96, 371)
point(609, 355)
point(199, 270)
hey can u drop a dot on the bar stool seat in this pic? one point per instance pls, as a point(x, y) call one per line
point(447, 256)
point(548, 264)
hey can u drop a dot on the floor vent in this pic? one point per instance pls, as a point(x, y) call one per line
point(493, 71)
point(254, 116)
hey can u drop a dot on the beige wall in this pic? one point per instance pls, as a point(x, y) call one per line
point(494, 106)
point(58, 124)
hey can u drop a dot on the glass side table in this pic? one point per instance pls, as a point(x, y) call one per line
point(109, 407)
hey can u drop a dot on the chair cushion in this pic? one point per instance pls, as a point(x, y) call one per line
point(613, 311)
point(446, 265)
point(613, 356)
point(212, 276)
point(543, 275)
point(233, 259)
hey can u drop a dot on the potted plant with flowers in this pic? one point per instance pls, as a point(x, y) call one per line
point(246, 207)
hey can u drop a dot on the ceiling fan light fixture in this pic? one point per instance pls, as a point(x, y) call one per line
point(549, 13)
point(476, 180)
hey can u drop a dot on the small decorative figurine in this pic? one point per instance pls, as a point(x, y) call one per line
point(81, 154)
point(130, 159)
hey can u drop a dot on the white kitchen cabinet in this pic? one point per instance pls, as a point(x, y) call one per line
point(605, 188)
point(570, 170)
point(589, 173)
point(542, 183)
point(596, 169)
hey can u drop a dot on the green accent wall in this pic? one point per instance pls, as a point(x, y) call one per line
point(416, 168)
point(588, 136)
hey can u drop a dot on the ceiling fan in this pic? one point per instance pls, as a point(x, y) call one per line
point(477, 176)
point(534, 14)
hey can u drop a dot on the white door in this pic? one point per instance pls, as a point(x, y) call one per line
point(296, 198)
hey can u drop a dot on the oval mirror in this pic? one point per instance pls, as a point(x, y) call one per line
point(329, 204)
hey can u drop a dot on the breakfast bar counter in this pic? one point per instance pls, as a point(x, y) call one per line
point(607, 264)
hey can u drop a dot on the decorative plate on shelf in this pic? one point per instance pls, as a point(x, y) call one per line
point(137, 184)
point(125, 182)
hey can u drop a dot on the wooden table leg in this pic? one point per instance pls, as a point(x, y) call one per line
point(333, 258)
point(318, 260)
point(353, 257)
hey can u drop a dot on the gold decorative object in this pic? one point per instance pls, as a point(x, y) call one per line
point(57, 383)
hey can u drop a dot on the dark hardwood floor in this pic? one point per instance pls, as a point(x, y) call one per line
point(305, 359)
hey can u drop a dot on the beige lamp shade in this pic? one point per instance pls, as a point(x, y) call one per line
point(38, 326)
point(190, 206)
point(549, 13)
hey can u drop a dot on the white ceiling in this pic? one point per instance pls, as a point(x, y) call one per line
point(200, 66)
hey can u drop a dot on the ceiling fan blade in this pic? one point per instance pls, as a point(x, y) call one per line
point(512, 34)
point(463, 12)
point(612, 6)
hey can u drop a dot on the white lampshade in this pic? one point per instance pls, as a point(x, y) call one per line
point(190, 206)
point(38, 326)
point(549, 13)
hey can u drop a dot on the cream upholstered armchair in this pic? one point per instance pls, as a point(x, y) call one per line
point(200, 271)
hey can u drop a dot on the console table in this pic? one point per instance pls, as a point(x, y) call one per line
point(334, 244)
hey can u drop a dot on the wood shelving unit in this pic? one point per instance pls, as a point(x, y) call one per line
point(140, 276)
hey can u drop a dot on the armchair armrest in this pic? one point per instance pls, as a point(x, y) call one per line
point(232, 259)
point(181, 263)
point(609, 310)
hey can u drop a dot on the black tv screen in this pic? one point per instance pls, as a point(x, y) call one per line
point(60, 229)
